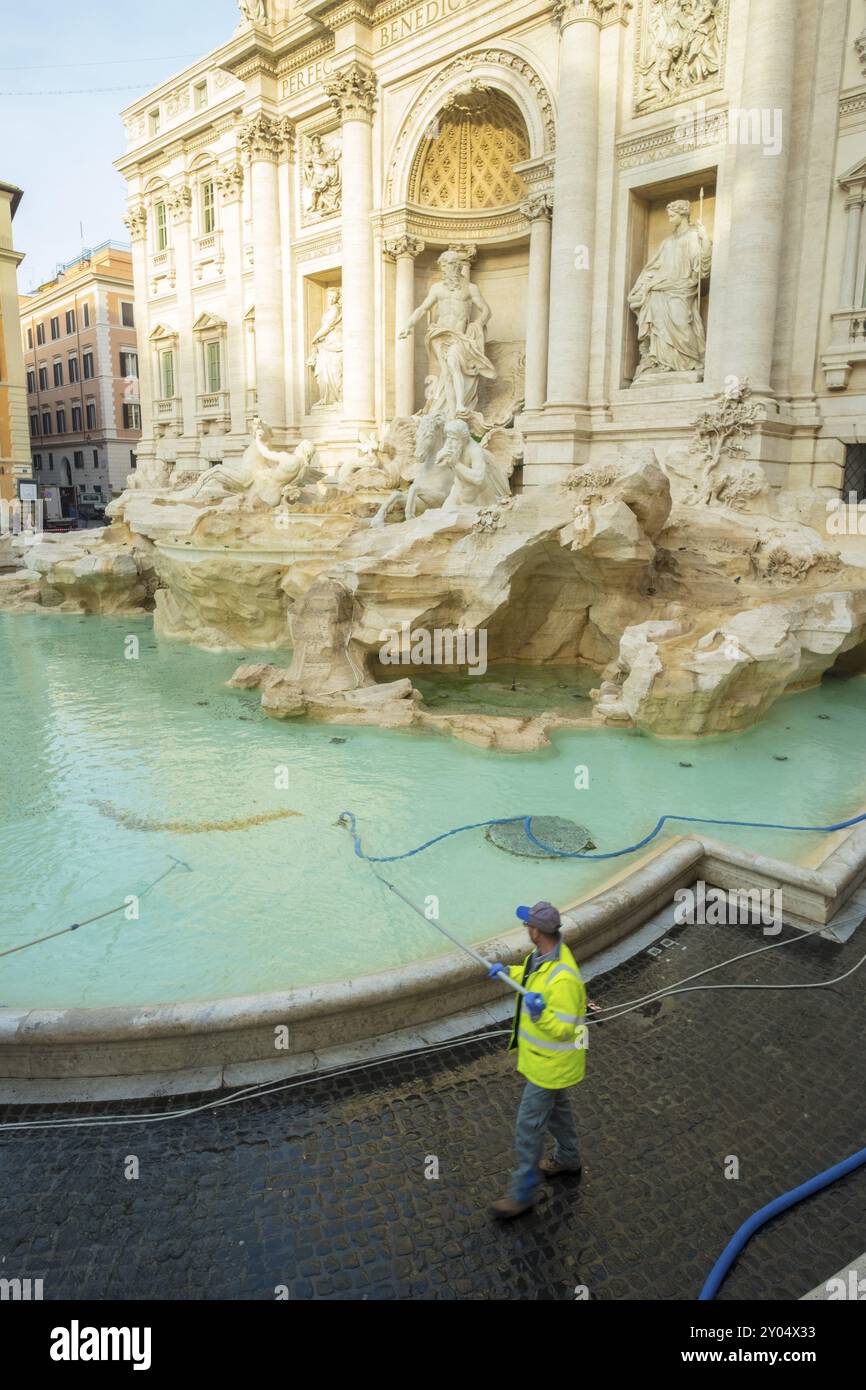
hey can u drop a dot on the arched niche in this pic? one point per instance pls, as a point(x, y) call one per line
point(501, 73)
point(465, 163)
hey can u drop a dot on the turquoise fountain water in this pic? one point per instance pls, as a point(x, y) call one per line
point(97, 745)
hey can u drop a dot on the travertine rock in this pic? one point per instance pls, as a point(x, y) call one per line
point(728, 677)
point(93, 572)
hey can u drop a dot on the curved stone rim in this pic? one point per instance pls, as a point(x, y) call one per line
point(157, 1042)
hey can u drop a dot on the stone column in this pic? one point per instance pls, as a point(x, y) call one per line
point(574, 189)
point(263, 140)
point(853, 231)
point(403, 250)
point(351, 92)
point(759, 198)
point(230, 182)
point(136, 224)
point(179, 204)
point(537, 210)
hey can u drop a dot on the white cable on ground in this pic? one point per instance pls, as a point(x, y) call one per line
point(265, 1089)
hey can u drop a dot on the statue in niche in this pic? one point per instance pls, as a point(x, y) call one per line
point(666, 299)
point(322, 177)
point(685, 49)
point(455, 339)
point(478, 480)
point(326, 359)
point(253, 11)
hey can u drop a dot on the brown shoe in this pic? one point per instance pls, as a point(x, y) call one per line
point(506, 1208)
point(551, 1169)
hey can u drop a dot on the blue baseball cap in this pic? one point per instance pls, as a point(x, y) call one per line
point(543, 916)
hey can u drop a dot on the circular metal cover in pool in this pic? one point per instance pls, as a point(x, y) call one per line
point(564, 835)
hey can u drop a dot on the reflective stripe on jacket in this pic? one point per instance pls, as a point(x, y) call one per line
point(552, 1052)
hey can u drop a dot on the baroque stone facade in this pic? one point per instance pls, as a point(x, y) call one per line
point(319, 161)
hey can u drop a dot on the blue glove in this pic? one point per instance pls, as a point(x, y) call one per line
point(535, 1005)
point(497, 968)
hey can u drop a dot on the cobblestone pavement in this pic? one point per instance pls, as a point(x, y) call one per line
point(322, 1188)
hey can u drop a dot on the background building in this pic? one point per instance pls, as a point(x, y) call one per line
point(79, 343)
point(14, 442)
point(331, 146)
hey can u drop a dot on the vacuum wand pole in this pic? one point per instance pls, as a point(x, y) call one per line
point(476, 955)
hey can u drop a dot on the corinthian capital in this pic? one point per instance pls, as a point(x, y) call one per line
point(404, 246)
point(179, 202)
point(230, 182)
point(352, 91)
point(135, 221)
point(538, 205)
point(265, 137)
point(599, 11)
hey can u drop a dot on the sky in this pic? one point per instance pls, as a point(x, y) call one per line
point(60, 129)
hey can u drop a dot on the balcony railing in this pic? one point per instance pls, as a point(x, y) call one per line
point(162, 270)
point(213, 404)
point(208, 248)
point(848, 345)
point(168, 410)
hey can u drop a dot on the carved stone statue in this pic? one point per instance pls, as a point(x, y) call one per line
point(666, 298)
point(263, 475)
point(455, 339)
point(327, 358)
point(478, 479)
point(322, 177)
point(376, 466)
point(253, 11)
point(433, 476)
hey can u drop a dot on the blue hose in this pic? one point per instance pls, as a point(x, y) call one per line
point(720, 1269)
point(347, 818)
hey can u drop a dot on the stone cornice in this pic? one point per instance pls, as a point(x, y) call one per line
point(362, 10)
point(673, 139)
point(352, 91)
point(301, 57)
point(852, 102)
point(450, 229)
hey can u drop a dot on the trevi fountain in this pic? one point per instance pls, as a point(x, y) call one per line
point(536, 331)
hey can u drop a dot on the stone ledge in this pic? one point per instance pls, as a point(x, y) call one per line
point(231, 1041)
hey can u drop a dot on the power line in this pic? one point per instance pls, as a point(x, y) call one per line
point(79, 91)
point(99, 63)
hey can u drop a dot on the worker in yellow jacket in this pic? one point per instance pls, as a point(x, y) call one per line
point(550, 1036)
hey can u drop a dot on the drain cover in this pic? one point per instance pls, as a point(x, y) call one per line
point(564, 835)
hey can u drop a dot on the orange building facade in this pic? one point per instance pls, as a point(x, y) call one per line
point(81, 362)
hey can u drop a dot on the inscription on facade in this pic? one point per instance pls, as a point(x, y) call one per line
point(414, 20)
point(306, 77)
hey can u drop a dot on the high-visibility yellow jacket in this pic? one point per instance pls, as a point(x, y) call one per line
point(552, 1052)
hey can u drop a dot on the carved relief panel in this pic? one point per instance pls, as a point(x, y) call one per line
point(321, 176)
point(681, 50)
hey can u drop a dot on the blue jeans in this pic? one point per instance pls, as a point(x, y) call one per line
point(540, 1111)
